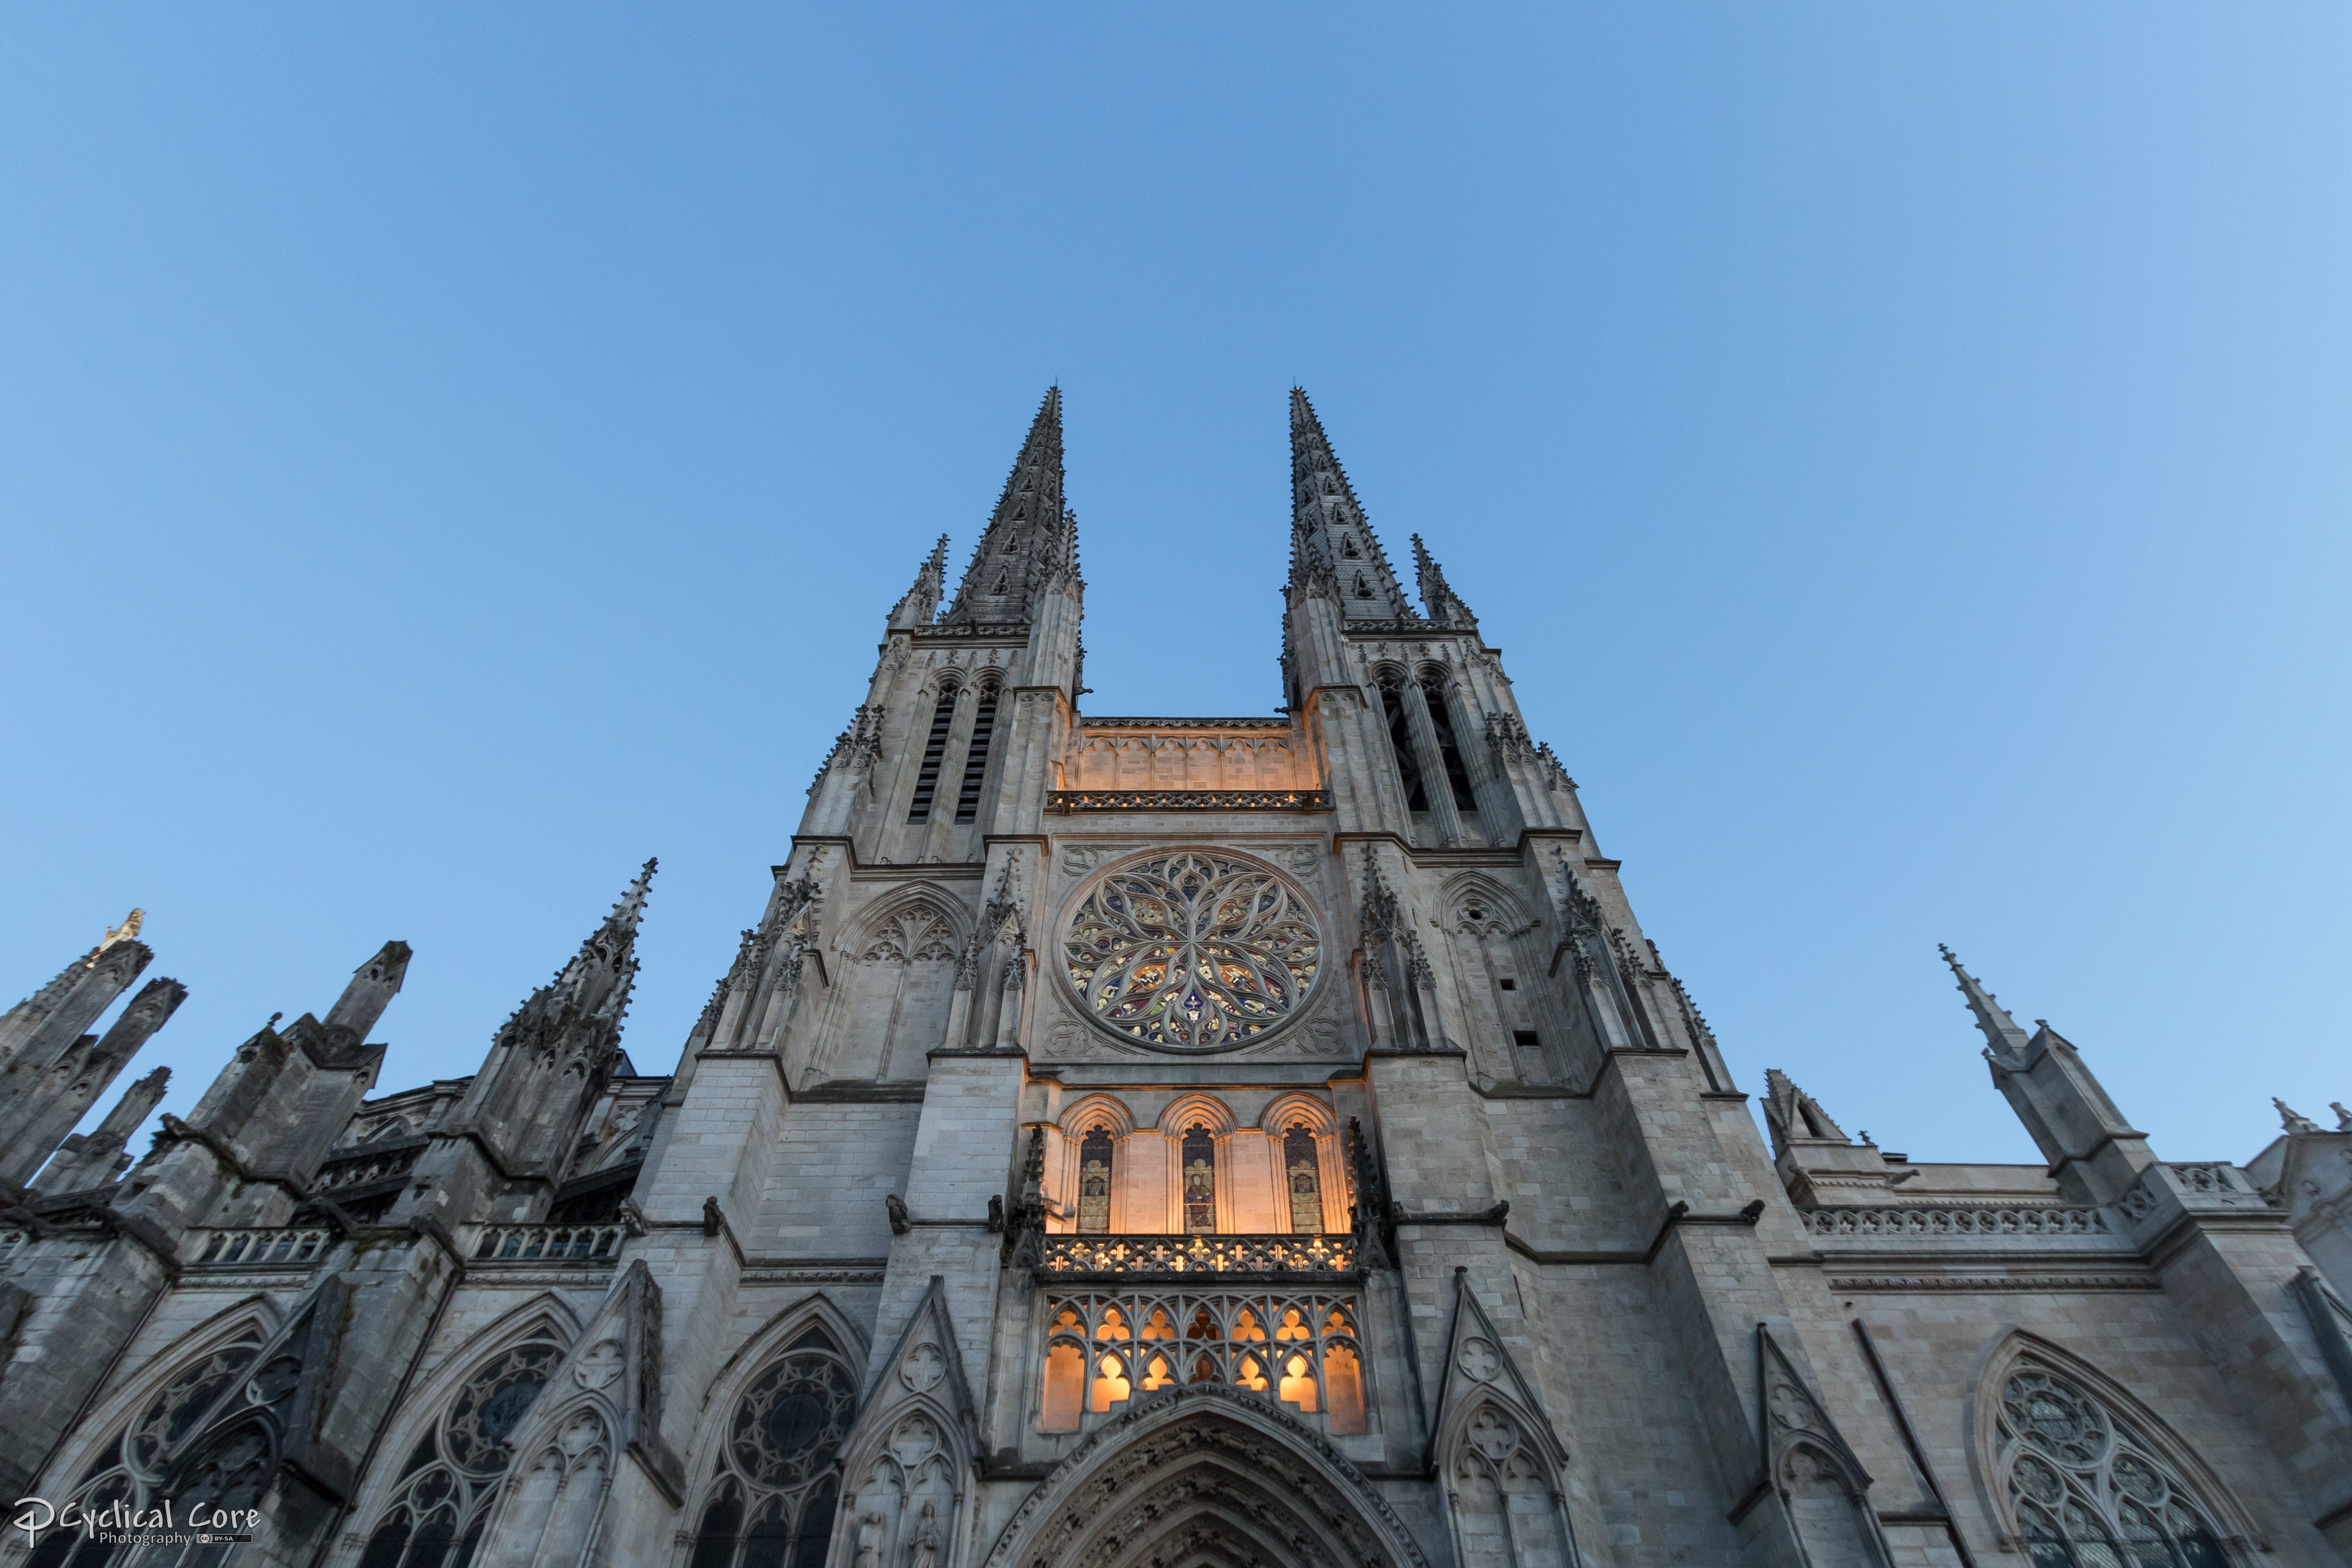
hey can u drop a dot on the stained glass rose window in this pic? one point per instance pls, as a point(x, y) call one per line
point(1192, 951)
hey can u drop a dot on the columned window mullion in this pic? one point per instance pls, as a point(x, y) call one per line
point(1432, 758)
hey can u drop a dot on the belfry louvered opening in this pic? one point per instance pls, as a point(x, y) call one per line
point(975, 757)
point(1416, 795)
point(926, 782)
point(1457, 776)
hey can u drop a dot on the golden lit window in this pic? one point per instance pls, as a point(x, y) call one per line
point(1304, 1174)
point(1102, 1350)
point(1096, 1153)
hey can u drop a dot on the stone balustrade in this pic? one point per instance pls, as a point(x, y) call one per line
point(359, 1170)
point(550, 1244)
point(2217, 1184)
point(276, 1248)
point(1956, 1219)
point(1317, 1255)
point(1070, 800)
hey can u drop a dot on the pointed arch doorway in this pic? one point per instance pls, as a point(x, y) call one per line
point(1205, 1477)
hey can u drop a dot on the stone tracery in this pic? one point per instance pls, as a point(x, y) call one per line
point(2083, 1486)
point(1192, 951)
point(131, 1465)
point(450, 1477)
point(773, 1491)
point(1103, 1350)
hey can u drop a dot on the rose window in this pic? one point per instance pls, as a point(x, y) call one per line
point(1192, 951)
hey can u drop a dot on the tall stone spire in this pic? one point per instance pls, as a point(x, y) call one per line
point(1032, 538)
point(922, 600)
point(1437, 596)
point(2000, 1031)
point(1333, 549)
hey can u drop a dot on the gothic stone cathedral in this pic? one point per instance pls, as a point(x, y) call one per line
point(1149, 1142)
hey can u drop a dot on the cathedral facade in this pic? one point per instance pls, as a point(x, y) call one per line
point(1150, 1142)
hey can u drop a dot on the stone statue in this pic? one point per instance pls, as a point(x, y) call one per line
point(869, 1540)
point(923, 1546)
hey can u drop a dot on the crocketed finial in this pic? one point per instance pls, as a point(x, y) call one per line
point(2002, 1036)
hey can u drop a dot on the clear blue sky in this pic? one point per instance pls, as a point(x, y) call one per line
point(450, 453)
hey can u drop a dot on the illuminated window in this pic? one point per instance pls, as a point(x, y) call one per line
point(1303, 1173)
point(1303, 1353)
point(1094, 1154)
point(1200, 1181)
point(1066, 1371)
point(1192, 951)
point(1111, 1383)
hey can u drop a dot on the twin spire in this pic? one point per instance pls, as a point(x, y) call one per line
point(1031, 543)
point(1332, 548)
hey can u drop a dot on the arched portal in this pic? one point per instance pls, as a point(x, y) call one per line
point(1205, 1477)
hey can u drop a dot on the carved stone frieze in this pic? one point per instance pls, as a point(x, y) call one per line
point(1075, 800)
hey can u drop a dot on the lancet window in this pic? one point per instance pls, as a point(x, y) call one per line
point(1200, 1181)
point(1416, 794)
point(1096, 1153)
point(1457, 776)
point(774, 1491)
point(2084, 1488)
point(451, 1476)
point(1102, 1350)
point(935, 751)
point(1505, 1505)
point(975, 757)
point(1303, 1174)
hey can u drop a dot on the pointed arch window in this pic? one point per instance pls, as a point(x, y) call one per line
point(450, 1478)
point(1302, 1172)
point(975, 756)
point(935, 749)
point(774, 1493)
point(1096, 1154)
point(1200, 1181)
point(1441, 719)
point(2084, 1488)
point(1416, 794)
point(130, 1468)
